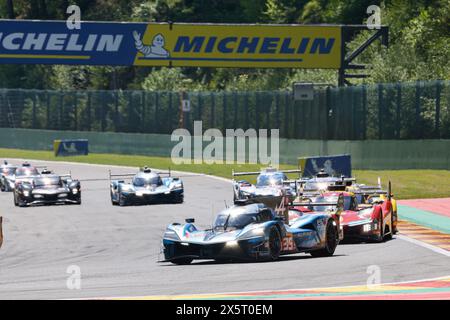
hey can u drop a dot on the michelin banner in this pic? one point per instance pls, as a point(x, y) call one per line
point(164, 44)
point(333, 165)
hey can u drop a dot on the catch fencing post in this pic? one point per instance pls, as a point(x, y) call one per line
point(438, 109)
point(398, 111)
point(417, 107)
point(380, 111)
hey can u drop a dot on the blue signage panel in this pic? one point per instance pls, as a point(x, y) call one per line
point(71, 147)
point(333, 165)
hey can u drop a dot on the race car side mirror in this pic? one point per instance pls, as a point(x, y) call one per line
point(190, 220)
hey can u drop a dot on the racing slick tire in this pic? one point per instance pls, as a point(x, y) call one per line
point(2, 187)
point(182, 261)
point(331, 242)
point(15, 200)
point(274, 243)
point(178, 199)
point(122, 200)
point(387, 234)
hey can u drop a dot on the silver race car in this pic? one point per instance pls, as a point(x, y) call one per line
point(146, 187)
point(271, 186)
point(7, 176)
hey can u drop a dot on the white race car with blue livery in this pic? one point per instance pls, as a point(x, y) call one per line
point(251, 232)
point(146, 187)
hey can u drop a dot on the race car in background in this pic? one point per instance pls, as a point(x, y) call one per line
point(366, 222)
point(271, 186)
point(146, 187)
point(322, 181)
point(7, 172)
point(366, 194)
point(251, 232)
point(47, 188)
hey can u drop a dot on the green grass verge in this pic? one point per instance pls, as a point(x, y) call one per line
point(406, 184)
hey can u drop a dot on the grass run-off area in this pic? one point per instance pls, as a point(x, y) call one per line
point(406, 184)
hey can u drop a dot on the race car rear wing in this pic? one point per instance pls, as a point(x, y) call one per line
point(255, 173)
point(129, 175)
point(339, 204)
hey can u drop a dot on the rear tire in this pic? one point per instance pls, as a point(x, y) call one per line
point(182, 261)
point(331, 242)
point(274, 243)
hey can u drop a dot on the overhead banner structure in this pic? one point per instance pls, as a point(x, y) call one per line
point(164, 44)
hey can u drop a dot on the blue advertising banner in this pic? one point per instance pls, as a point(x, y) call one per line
point(78, 147)
point(337, 165)
point(165, 44)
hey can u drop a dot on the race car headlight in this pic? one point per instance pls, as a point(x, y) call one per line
point(171, 235)
point(75, 191)
point(367, 227)
point(232, 243)
point(253, 233)
point(62, 195)
point(38, 196)
point(139, 193)
point(26, 193)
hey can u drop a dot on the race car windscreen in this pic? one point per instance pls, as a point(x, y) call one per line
point(330, 199)
point(230, 221)
point(265, 180)
point(48, 181)
point(8, 171)
point(142, 182)
point(316, 185)
point(26, 172)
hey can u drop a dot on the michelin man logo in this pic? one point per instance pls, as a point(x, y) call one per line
point(327, 167)
point(155, 50)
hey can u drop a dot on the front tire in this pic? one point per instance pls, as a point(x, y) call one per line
point(274, 243)
point(122, 200)
point(331, 242)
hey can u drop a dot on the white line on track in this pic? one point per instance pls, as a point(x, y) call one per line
point(424, 245)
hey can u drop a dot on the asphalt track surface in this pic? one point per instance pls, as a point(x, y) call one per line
point(117, 249)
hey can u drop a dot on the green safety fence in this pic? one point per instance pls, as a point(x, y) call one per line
point(419, 110)
point(366, 154)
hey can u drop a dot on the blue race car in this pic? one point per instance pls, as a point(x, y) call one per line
point(251, 232)
point(146, 187)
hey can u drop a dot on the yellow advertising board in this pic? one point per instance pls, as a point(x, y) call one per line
point(243, 46)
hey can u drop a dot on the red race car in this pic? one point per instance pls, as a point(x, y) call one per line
point(370, 221)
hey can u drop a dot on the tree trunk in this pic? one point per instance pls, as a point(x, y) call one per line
point(10, 9)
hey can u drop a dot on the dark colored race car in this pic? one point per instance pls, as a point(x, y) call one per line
point(146, 187)
point(251, 232)
point(271, 186)
point(47, 188)
point(7, 176)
